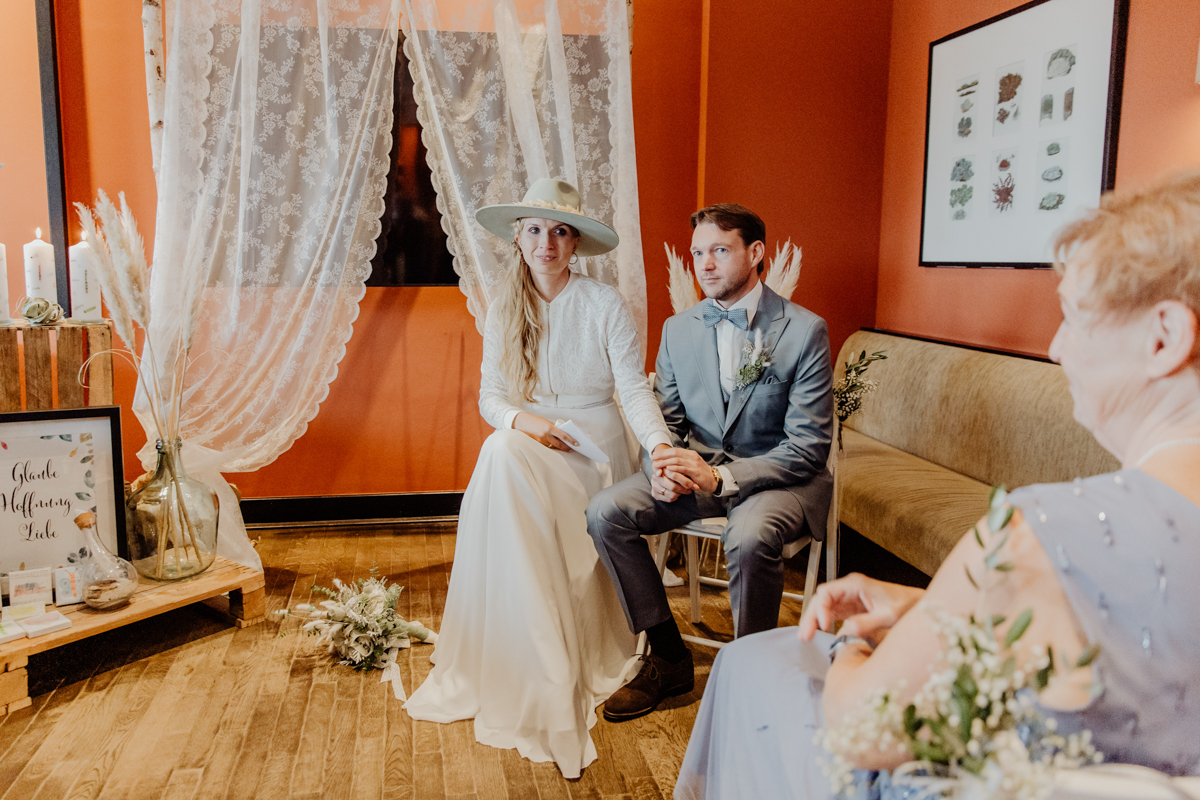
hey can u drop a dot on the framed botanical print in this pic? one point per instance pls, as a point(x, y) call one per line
point(1022, 115)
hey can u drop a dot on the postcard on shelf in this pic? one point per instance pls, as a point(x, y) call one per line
point(68, 586)
point(30, 586)
point(10, 631)
point(42, 624)
point(22, 611)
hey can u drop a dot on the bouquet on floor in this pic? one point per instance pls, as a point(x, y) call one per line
point(974, 729)
point(360, 624)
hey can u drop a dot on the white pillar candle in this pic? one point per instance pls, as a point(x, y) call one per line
point(40, 280)
point(85, 288)
point(5, 313)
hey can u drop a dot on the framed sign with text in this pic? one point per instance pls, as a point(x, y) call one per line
point(1022, 114)
point(54, 465)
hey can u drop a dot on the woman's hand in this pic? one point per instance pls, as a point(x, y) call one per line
point(869, 608)
point(542, 430)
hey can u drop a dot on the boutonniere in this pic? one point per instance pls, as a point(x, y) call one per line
point(754, 362)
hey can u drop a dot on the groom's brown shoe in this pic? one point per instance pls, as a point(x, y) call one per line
point(657, 681)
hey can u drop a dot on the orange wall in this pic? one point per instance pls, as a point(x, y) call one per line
point(795, 128)
point(402, 414)
point(23, 205)
point(666, 114)
point(1160, 130)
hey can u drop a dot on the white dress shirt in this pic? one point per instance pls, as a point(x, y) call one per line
point(730, 341)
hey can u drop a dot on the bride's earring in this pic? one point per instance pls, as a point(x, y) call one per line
point(574, 259)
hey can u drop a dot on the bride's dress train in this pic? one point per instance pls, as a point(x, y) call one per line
point(532, 621)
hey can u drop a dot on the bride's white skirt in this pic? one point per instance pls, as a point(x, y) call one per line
point(533, 637)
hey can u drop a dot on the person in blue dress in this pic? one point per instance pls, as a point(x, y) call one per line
point(1112, 559)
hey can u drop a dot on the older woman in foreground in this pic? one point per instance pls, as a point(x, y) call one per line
point(1113, 559)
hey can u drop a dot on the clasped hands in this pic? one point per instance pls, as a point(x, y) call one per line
point(679, 471)
point(867, 608)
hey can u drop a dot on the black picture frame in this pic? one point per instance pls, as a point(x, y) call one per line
point(113, 416)
point(56, 183)
point(933, 244)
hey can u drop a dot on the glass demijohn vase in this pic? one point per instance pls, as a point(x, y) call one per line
point(108, 580)
point(172, 521)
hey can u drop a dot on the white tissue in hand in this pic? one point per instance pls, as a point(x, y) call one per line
point(586, 446)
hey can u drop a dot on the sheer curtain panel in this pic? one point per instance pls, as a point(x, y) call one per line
point(277, 133)
point(511, 92)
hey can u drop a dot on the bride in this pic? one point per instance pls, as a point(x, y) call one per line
point(533, 637)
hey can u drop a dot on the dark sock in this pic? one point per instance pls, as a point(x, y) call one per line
point(665, 641)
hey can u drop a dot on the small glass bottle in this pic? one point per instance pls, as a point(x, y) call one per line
point(108, 580)
point(171, 521)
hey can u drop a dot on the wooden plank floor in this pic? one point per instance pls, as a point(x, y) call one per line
point(184, 706)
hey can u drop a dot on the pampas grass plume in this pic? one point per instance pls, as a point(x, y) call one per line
point(118, 306)
point(784, 272)
point(681, 284)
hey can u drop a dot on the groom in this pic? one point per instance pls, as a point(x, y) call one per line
point(751, 437)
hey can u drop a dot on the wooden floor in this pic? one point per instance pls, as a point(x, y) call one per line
point(187, 706)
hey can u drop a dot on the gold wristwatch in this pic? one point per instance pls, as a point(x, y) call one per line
point(720, 481)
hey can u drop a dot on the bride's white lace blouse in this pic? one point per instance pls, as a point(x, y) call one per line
point(589, 347)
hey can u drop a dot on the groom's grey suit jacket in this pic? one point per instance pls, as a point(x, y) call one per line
point(776, 432)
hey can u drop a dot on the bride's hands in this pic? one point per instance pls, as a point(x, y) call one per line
point(543, 431)
point(869, 608)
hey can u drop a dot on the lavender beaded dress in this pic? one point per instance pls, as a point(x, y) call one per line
point(1127, 550)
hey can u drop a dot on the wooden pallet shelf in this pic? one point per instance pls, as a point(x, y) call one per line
point(42, 366)
point(246, 604)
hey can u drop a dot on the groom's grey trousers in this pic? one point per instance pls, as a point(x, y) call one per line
point(758, 528)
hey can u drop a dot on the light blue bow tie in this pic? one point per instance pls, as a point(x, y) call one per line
point(714, 314)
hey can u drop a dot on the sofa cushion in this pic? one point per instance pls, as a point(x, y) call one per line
point(911, 507)
point(995, 418)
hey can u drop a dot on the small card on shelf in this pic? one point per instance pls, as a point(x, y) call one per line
point(40, 625)
point(22, 611)
point(68, 586)
point(30, 586)
point(10, 631)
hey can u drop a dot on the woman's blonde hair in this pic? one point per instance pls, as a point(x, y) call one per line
point(519, 311)
point(1145, 246)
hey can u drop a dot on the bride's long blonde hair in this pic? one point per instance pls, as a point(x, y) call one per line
point(520, 318)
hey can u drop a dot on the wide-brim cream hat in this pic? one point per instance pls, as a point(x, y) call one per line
point(551, 199)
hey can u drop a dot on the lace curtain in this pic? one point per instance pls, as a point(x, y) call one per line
point(277, 134)
point(506, 97)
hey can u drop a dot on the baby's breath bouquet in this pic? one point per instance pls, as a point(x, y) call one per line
point(848, 393)
point(974, 729)
point(360, 624)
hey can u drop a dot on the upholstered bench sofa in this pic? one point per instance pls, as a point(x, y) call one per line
point(945, 424)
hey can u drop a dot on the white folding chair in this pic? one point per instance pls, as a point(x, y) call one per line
point(712, 528)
